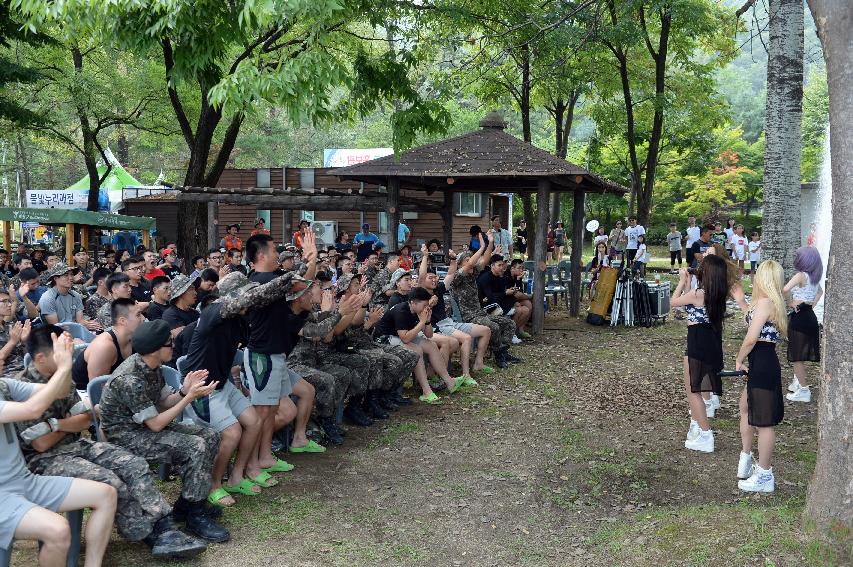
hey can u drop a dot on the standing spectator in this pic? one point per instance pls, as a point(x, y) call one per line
point(673, 238)
point(231, 240)
point(521, 238)
point(811, 239)
point(730, 234)
point(342, 243)
point(151, 269)
point(739, 248)
point(125, 240)
point(641, 258)
point(754, 254)
point(406, 261)
point(691, 234)
point(474, 243)
point(560, 240)
point(404, 233)
point(299, 233)
point(600, 236)
point(260, 226)
point(700, 246)
point(366, 243)
point(617, 241)
point(720, 237)
point(502, 237)
point(549, 249)
point(632, 233)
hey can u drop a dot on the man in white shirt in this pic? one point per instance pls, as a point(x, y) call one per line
point(692, 232)
point(632, 232)
point(501, 237)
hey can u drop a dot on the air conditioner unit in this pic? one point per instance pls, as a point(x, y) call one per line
point(325, 231)
point(410, 215)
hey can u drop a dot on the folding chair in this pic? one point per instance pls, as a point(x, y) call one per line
point(78, 331)
point(94, 390)
point(553, 287)
point(455, 312)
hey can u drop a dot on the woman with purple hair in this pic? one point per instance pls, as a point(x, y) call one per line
point(802, 293)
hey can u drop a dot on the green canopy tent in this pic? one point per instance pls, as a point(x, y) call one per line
point(117, 180)
point(70, 219)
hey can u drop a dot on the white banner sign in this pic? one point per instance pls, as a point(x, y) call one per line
point(58, 199)
point(342, 157)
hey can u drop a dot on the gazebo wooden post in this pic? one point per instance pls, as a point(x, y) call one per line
point(146, 238)
point(84, 237)
point(393, 211)
point(69, 243)
point(7, 236)
point(285, 226)
point(447, 219)
point(211, 225)
point(577, 254)
point(542, 203)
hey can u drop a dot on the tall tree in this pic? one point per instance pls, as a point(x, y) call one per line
point(830, 497)
point(780, 227)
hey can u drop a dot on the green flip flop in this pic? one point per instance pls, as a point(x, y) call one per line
point(243, 487)
point(279, 466)
point(311, 447)
point(430, 399)
point(468, 380)
point(458, 383)
point(215, 497)
point(264, 480)
point(485, 370)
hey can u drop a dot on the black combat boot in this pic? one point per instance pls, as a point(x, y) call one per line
point(510, 358)
point(371, 405)
point(500, 358)
point(199, 523)
point(181, 509)
point(398, 398)
point(330, 429)
point(385, 400)
point(168, 542)
point(355, 414)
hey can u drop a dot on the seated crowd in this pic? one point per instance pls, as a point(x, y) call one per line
point(214, 371)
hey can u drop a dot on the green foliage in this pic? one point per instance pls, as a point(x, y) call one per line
point(815, 122)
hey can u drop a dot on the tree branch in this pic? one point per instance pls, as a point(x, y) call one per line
point(180, 115)
point(746, 6)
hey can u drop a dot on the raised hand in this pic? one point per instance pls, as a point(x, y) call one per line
point(24, 289)
point(327, 303)
point(25, 331)
point(480, 238)
point(194, 384)
point(15, 332)
point(451, 254)
point(63, 350)
point(350, 304)
point(92, 325)
point(424, 249)
point(309, 246)
point(375, 314)
point(499, 249)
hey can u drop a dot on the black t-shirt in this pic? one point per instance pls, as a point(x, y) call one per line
point(699, 247)
point(155, 310)
point(141, 292)
point(176, 317)
point(519, 234)
point(397, 318)
point(493, 288)
point(214, 344)
point(394, 300)
point(171, 271)
point(439, 311)
point(275, 328)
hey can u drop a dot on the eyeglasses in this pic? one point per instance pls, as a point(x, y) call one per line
point(135, 268)
point(5, 301)
point(215, 257)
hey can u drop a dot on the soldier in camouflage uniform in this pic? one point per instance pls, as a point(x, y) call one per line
point(13, 336)
point(131, 419)
point(379, 285)
point(464, 289)
point(52, 446)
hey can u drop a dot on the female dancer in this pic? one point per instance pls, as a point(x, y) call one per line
point(601, 259)
point(705, 307)
point(802, 293)
point(761, 404)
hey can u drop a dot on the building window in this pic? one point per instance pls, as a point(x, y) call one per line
point(262, 178)
point(383, 222)
point(306, 178)
point(306, 215)
point(468, 204)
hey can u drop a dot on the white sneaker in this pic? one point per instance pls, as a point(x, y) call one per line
point(516, 340)
point(794, 385)
point(760, 481)
point(704, 442)
point(709, 409)
point(745, 466)
point(803, 394)
point(715, 401)
point(694, 430)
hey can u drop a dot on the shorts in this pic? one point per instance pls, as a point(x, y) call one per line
point(269, 378)
point(397, 341)
point(673, 256)
point(741, 256)
point(23, 494)
point(220, 409)
point(753, 264)
point(447, 327)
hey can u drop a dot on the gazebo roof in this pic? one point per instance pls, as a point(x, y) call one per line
point(487, 159)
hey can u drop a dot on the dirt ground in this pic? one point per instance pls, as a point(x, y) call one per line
point(574, 457)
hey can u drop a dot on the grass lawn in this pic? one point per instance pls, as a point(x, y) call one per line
point(574, 457)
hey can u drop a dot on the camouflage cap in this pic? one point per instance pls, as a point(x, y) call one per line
point(344, 281)
point(460, 259)
point(295, 282)
point(286, 255)
point(59, 270)
point(398, 274)
point(234, 283)
point(180, 285)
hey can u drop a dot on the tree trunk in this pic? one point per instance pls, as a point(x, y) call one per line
point(830, 497)
point(525, 93)
point(123, 149)
point(780, 226)
point(541, 235)
point(577, 253)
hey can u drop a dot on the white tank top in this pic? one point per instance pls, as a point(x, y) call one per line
point(806, 293)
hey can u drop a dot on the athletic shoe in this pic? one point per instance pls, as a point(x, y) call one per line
point(715, 401)
point(704, 442)
point(760, 481)
point(803, 394)
point(709, 409)
point(516, 340)
point(694, 430)
point(522, 334)
point(794, 385)
point(745, 466)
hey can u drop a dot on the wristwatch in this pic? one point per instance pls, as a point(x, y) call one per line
point(53, 423)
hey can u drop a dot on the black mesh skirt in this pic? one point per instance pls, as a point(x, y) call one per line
point(704, 358)
point(766, 406)
point(803, 335)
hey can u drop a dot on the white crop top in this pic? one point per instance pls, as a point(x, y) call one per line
point(806, 293)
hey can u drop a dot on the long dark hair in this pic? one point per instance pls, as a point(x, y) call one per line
point(713, 279)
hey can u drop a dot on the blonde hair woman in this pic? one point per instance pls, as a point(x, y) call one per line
point(761, 403)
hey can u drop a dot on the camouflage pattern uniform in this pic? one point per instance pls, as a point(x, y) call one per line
point(464, 289)
point(104, 316)
point(129, 399)
point(93, 305)
point(140, 504)
point(15, 361)
point(378, 285)
point(395, 363)
point(331, 381)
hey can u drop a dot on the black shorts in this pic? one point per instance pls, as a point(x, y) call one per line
point(673, 255)
point(631, 252)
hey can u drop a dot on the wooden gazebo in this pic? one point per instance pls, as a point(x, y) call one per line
point(489, 160)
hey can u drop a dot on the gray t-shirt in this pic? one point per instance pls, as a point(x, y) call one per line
point(674, 239)
point(64, 306)
point(12, 465)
